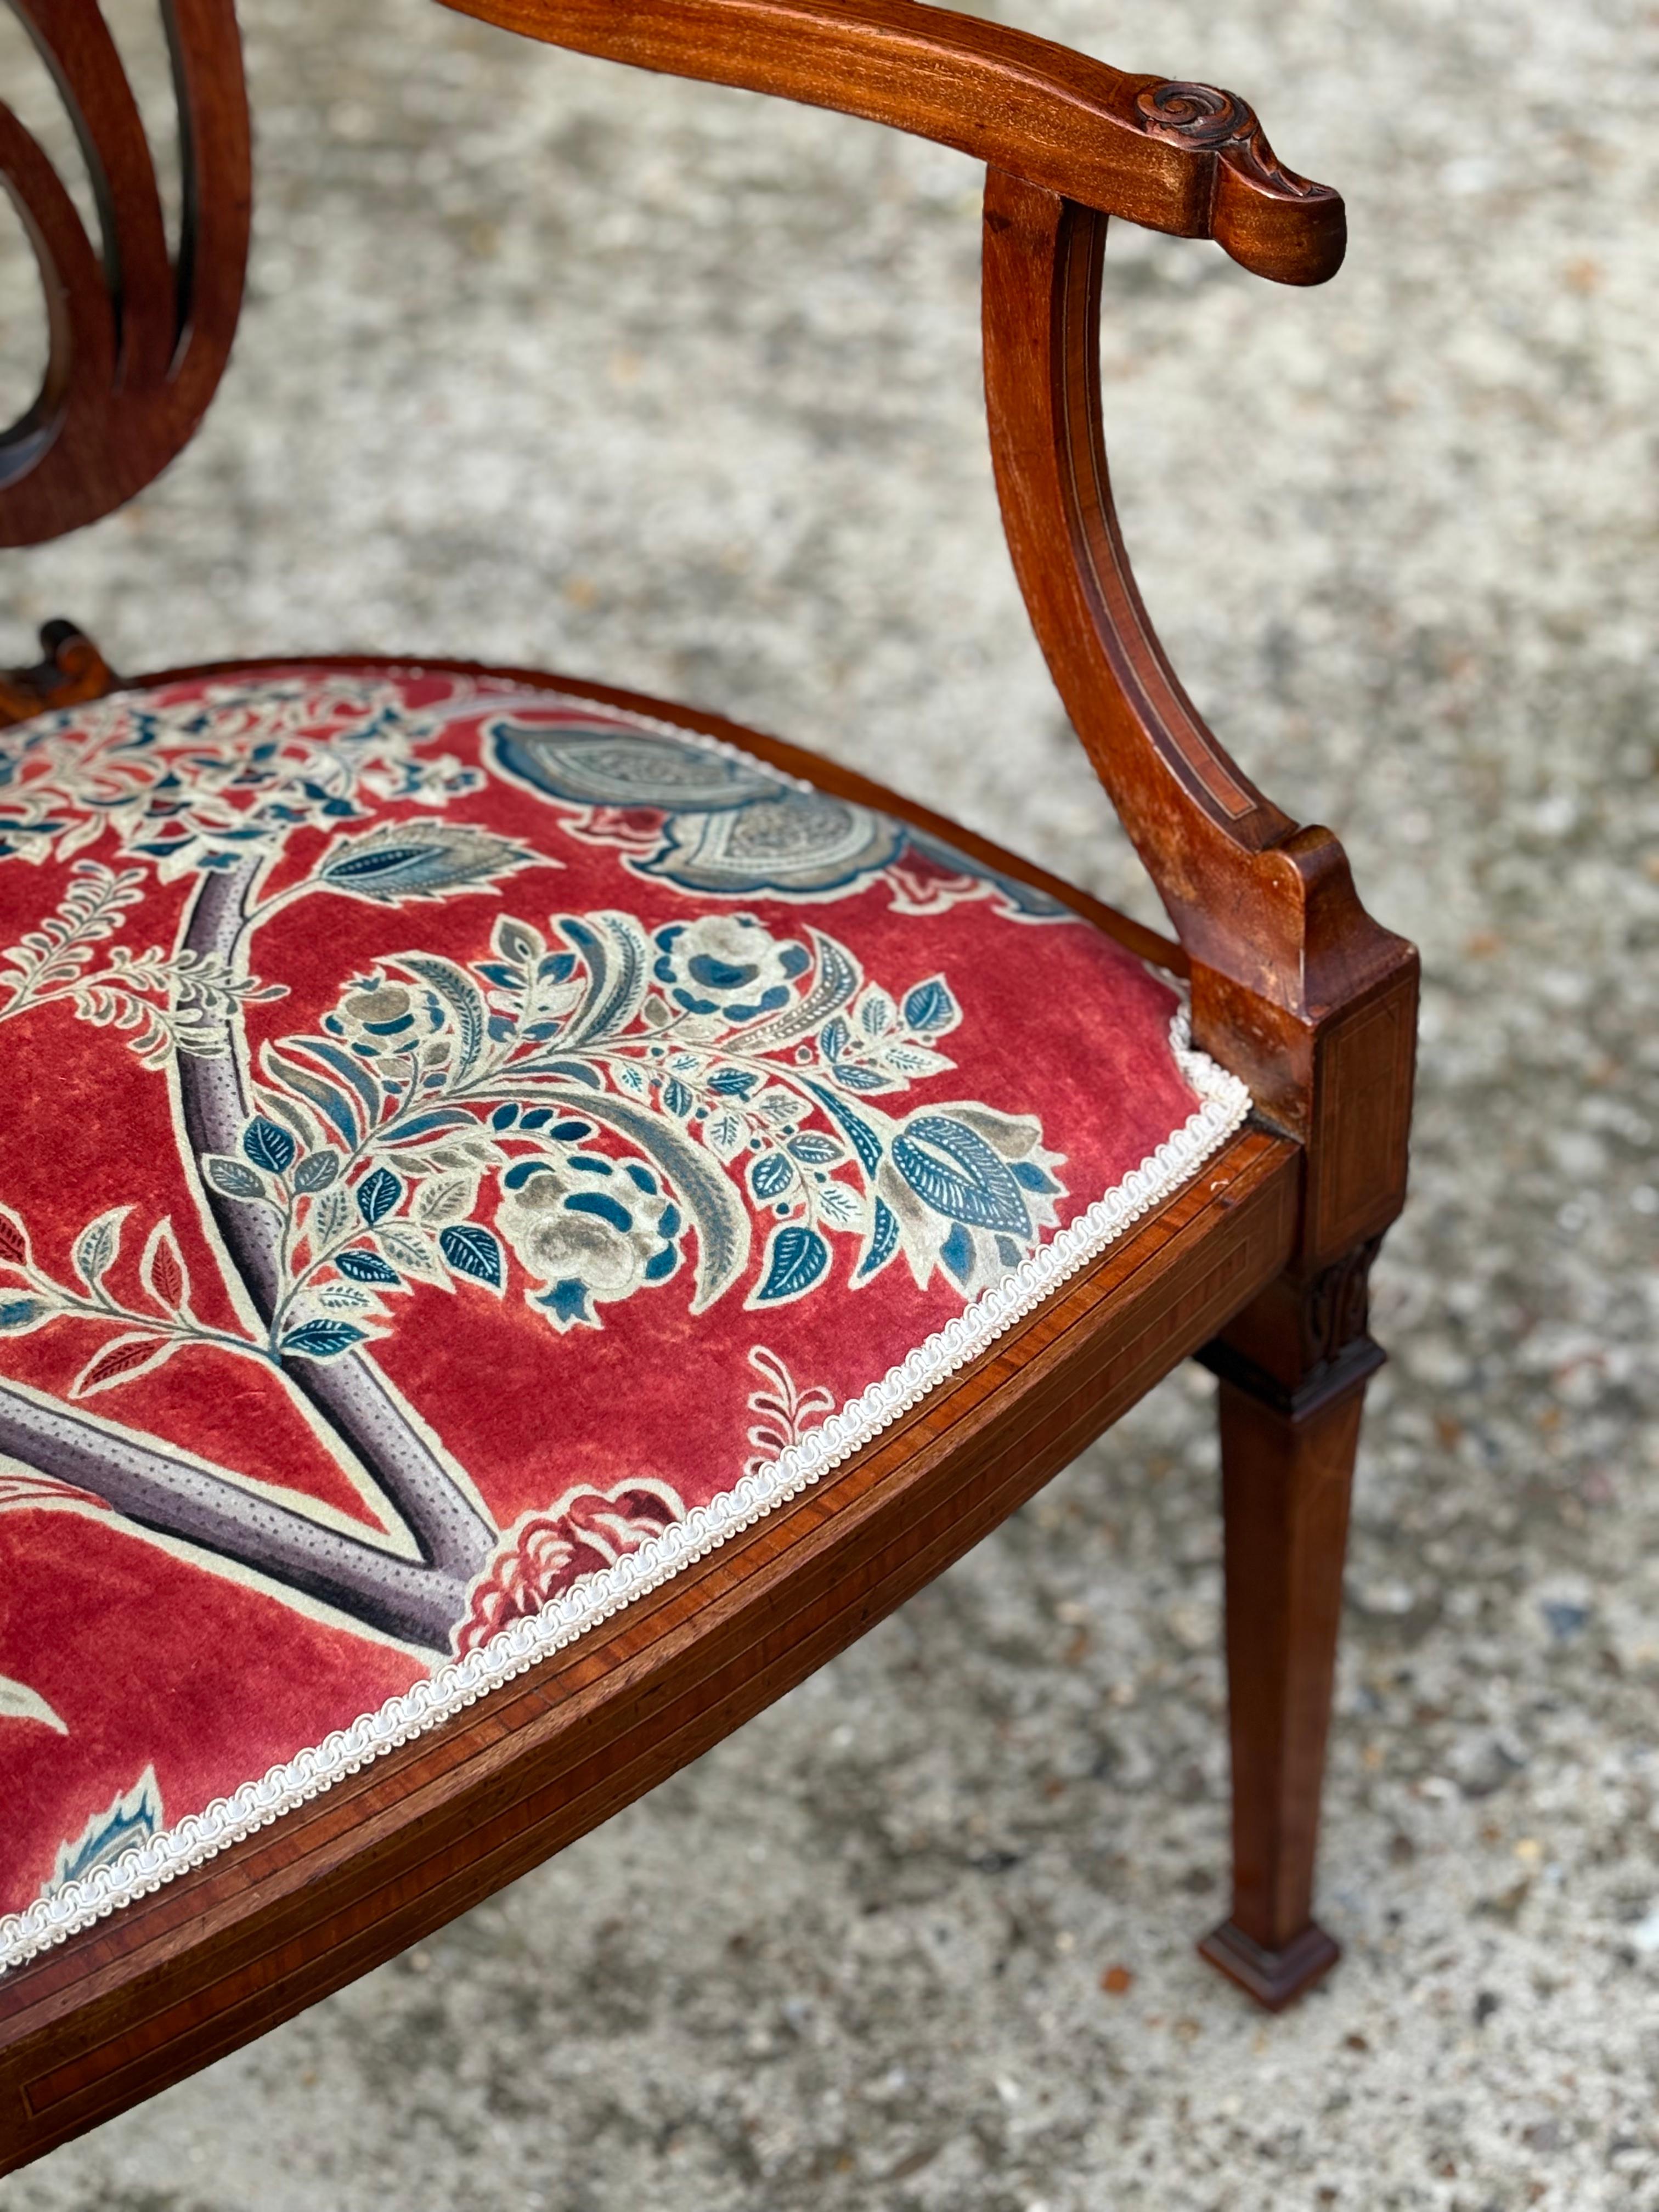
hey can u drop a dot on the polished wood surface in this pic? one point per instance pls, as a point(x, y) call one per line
point(1293, 1365)
point(70, 669)
point(1176, 156)
point(1294, 986)
point(1259, 1265)
point(137, 342)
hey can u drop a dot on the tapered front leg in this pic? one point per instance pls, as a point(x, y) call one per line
point(1294, 1371)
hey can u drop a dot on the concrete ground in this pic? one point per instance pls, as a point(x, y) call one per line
point(548, 362)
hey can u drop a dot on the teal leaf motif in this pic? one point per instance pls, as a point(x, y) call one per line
point(957, 1253)
point(407, 1250)
point(317, 1171)
point(853, 1077)
point(328, 1102)
point(616, 951)
point(883, 1242)
point(929, 1008)
point(472, 1252)
point(360, 1267)
point(463, 1000)
point(329, 1216)
point(770, 1176)
point(834, 984)
point(865, 1143)
point(575, 1071)
point(97, 1245)
point(952, 1169)
point(1030, 1177)
point(19, 1315)
point(815, 1150)
point(377, 1194)
point(795, 1258)
point(352, 1070)
point(321, 1340)
point(267, 1147)
point(132, 1818)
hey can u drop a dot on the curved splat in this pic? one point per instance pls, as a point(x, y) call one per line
point(136, 344)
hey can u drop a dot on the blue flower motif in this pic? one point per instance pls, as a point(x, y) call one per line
point(727, 964)
point(377, 1018)
point(587, 1229)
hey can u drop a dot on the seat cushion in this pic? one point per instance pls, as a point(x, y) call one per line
point(469, 1149)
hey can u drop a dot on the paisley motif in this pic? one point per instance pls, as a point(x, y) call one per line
point(697, 814)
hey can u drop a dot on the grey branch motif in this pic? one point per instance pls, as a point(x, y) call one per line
point(733, 1076)
point(348, 1391)
point(294, 753)
point(197, 994)
point(418, 1600)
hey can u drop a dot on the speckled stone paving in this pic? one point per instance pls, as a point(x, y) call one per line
point(546, 362)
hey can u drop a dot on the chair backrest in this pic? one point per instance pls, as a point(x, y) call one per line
point(1293, 985)
point(138, 339)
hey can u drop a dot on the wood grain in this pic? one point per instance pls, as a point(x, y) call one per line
point(1295, 987)
point(1177, 157)
point(137, 344)
point(69, 672)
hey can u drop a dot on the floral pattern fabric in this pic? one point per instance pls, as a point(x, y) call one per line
point(456, 1132)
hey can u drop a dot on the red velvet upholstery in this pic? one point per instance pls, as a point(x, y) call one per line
point(463, 1150)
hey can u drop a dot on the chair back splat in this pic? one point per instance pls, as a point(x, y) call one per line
point(137, 342)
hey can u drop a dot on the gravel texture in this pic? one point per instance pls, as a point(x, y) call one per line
point(547, 363)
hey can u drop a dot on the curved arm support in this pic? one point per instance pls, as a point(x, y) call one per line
point(1294, 985)
point(1183, 158)
point(135, 347)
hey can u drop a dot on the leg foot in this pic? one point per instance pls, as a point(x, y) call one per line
point(1274, 1978)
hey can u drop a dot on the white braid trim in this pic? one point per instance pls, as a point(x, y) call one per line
point(144, 1867)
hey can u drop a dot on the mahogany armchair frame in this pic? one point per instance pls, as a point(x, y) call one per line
point(1258, 1267)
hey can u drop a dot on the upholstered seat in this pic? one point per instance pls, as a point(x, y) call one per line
point(469, 1149)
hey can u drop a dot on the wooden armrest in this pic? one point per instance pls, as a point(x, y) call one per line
point(1182, 158)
